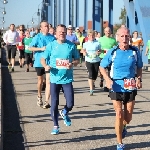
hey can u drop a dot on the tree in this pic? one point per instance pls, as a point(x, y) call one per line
point(123, 15)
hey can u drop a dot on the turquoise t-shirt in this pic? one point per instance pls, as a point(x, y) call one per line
point(123, 66)
point(40, 41)
point(91, 48)
point(60, 55)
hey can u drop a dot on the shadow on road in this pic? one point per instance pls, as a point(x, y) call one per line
point(12, 132)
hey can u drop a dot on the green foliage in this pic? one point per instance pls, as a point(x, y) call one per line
point(123, 16)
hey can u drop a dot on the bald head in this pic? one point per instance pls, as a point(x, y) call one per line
point(123, 37)
point(123, 29)
point(107, 32)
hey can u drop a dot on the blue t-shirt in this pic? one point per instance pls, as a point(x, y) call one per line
point(123, 66)
point(61, 54)
point(72, 38)
point(91, 48)
point(40, 41)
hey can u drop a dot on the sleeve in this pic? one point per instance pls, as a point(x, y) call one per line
point(84, 45)
point(47, 51)
point(5, 37)
point(34, 42)
point(75, 53)
point(139, 60)
point(147, 43)
point(106, 61)
point(76, 39)
point(99, 46)
point(18, 38)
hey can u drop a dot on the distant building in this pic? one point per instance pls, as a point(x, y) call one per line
point(84, 14)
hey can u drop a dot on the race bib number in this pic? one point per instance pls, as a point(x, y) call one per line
point(61, 63)
point(92, 56)
point(129, 84)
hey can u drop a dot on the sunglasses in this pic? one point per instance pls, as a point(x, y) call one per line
point(69, 29)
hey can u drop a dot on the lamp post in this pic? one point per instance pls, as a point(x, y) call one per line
point(44, 2)
point(3, 12)
point(3, 21)
point(4, 1)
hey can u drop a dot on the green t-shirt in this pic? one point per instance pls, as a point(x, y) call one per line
point(148, 45)
point(26, 42)
point(106, 44)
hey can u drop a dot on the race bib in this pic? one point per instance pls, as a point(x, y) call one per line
point(61, 63)
point(26, 47)
point(129, 84)
point(92, 56)
point(10, 40)
point(20, 43)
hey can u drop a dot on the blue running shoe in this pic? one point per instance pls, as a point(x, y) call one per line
point(124, 132)
point(55, 131)
point(66, 118)
point(120, 147)
point(91, 92)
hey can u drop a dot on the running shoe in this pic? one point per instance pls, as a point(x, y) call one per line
point(120, 147)
point(106, 89)
point(91, 92)
point(55, 130)
point(9, 66)
point(27, 70)
point(12, 69)
point(39, 101)
point(66, 118)
point(46, 105)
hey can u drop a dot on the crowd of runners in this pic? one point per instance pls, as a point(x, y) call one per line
point(54, 52)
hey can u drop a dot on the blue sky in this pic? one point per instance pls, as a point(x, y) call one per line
point(23, 10)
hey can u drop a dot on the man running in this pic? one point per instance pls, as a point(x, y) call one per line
point(106, 43)
point(38, 46)
point(125, 60)
point(11, 38)
point(61, 53)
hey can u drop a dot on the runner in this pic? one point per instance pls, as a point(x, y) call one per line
point(20, 48)
point(28, 54)
point(61, 52)
point(91, 51)
point(106, 43)
point(72, 37)
point(79, 47)
point(11, 38)
point(38, 46)
point(136, 41)
point(147, 53)
point(122, 83)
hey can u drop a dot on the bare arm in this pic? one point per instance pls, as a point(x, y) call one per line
point(43, 62)
point(139, 73)
point(5, 37)
point(37, 48)
point(75, 62)
point(109, 82)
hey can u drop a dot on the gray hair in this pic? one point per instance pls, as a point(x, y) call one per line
point(122, 28)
